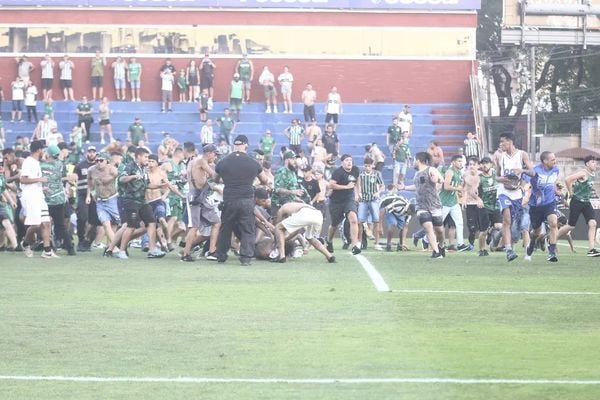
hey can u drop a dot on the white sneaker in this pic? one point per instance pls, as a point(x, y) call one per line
point(378, 247)
point(121, 255)
point(49, 254)
point(274, 110)
point(98, 246)
point(527, 258)
point(27, 251)
point(268, 111)
point(102, 141)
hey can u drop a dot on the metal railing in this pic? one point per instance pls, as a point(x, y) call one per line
point(480, 130)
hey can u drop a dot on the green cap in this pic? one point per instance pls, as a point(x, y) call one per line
point(53, 150)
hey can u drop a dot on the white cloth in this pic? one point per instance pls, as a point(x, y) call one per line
point(333, 103)
point(307, 217)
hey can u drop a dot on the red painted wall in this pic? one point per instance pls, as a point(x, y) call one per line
point(415, 81)
point(357, 80)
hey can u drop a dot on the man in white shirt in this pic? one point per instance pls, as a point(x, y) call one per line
point(333, 107)
point(167, 80)
point(18, 95)
point(405, 121)
point(33, 201)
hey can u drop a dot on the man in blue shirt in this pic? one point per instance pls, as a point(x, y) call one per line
point(542, 203)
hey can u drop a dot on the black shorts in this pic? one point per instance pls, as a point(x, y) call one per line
point(206, 82)
point(296, 148)
point(309, 113)
point(96, 81)
point(66, 83)
point(338, 211)
point(193, 80)
point(578, 207)
point(17, 105)
point(474, 222)
point(331, 118)
point(449, 222)
point(539, 214)
point(427, 216)
point(488, 218)
point(136, 212)
point(47, 83)
point(104, 122)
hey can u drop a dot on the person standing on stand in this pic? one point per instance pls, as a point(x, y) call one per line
point(134, 76)
point(245, 69)
point(238, 171)
point(47, 66)
point(97, 76)
point(66, 77)
point(286, 79)
point(84, 118)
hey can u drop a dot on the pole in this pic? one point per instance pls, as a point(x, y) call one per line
point(532, 75)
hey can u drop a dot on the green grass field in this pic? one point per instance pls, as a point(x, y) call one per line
point(464, 317)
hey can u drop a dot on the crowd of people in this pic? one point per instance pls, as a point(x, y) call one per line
point(211, 203)
point(225, 197)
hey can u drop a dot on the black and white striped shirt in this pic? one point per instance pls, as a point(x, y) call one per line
point(369, 184)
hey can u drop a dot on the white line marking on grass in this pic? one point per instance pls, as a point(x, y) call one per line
point(375, 276)
point(328, 381)
point(495, 292)
point(575, 246)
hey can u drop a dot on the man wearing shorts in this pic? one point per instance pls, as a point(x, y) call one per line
point(97, 76)
point(297, 216)
point(427, 183)
point(134, 179)
point(309, 97)
point(333, 107)
point(370, 187)
point(542, 203)
point(245, 69)
point(134, 76)
point(66, 77)
point(490, 219)
point(201, 213)
point(235, 97)
point(47, 67)
point(33, 201)
point(581, 186)
point(342, 202)
point(101, 185)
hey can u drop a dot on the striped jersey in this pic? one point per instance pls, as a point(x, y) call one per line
point(296, 134)
point(369, 184)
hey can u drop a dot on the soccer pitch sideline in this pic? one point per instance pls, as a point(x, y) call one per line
point(464, 327)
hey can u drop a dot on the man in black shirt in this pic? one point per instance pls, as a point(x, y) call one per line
point(330, 141)
point(238, 171)
point(343, 201)
point(86, 213)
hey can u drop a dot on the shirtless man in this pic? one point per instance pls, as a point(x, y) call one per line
point(101, 186)
point(297, 216)
point(157, 193)
point(319, 154)
point(313, 133)
point(200, 212)
point(472, 203)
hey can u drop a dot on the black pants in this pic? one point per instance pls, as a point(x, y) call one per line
point(57, 213)
point(32, 112)
point(85, 213)
point(238, 215)
point(88, 126)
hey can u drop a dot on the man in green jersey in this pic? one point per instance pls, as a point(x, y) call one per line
point(236, 95)
point(245, 69)
point(134, 76)
point(449, 197)
point(137, 132)
point(267, 144)
point(7, 207)
point(490, 217)
point(85, 118)
point(97, 66)
point(54, 170)
point(175, 169)
point(226, 125)
point(287, 189)
point(581, 186)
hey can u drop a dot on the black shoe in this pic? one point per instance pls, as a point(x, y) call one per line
point(452, 248)
point(330, 247)
point(331, 259)
point(462, 247)
point(356, 250)
point(530, 248)
point(593, 253)
point(483, 253)
point(443, 251)
point(345, 246)
point(107, 253)
point(552, 257)
point(187, 258)
point(436, 255)
point(425, 245)
point(415, 241)
point(511, 255)
point(388, 247)
point(245, 263)
point(71, 252)
point(145, 249)
point(276, 260)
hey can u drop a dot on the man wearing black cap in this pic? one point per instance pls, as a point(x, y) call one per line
point(343, 201)
point(86, 212)
point(33, 201)
point(238, 171)
point(287, 188)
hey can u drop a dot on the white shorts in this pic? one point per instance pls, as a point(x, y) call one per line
point(306, 217)
point(35, 209)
